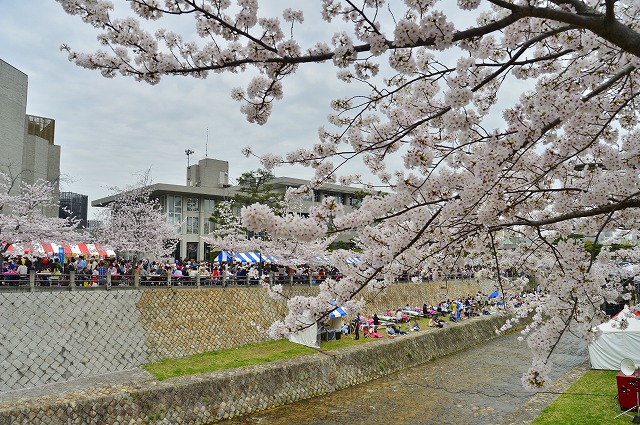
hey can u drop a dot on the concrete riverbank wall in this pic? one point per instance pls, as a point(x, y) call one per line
point(211, 397)
point(52, 337)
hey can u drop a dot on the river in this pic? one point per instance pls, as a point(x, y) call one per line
point(480, 385)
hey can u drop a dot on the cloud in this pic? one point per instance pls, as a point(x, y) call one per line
point(110, 129)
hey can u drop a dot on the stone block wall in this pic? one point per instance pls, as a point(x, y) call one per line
point(208, 398)
point(180, 322)
point(53, 337)
point(49, 337)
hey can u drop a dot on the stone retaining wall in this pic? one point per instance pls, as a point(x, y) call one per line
point(50, 337)
point(53, 337)
point(208, 398)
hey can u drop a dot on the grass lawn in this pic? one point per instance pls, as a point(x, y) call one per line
point(227, 359)
point(592, 400)
point(246, 355)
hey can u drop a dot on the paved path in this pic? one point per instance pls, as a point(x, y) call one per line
point(76, 386)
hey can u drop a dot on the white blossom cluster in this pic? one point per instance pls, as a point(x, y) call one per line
point(22, 214)
point(463, 176)
point(134, 223)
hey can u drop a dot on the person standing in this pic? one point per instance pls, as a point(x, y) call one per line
point(357, 325)
point(376, 322)
point(22, 270)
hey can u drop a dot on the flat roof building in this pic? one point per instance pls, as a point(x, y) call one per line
point(27, 141)
point(191, 205)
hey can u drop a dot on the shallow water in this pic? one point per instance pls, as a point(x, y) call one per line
point(480, 385)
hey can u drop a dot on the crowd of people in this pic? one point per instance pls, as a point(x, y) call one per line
point(404, 320)
point(93, 271)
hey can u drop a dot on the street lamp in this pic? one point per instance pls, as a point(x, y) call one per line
point(188, 152)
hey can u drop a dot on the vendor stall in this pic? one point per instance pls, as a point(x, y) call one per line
point(620, 339)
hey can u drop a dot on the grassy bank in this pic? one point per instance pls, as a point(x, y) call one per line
point(592, 400)
point(246, 355)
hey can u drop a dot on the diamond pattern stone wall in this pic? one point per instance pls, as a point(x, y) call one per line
point(48, 337)
point(184, 321)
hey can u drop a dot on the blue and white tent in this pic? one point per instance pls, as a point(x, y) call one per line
point(335, 318)
point(338, 312)
point(353, 260)
point(223, 256)
point(321, 259)
point(253, 257)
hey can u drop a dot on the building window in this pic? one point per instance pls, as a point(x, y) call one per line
point(193, 204)
point(317, 196)
point(209, 205)
point(193, 226)
point(208, 227)
point(174, 209)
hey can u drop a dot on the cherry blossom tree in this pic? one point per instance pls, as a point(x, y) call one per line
point(22, 214)
point(225, 221)
point(230, 235)
point(465, 163)
point(134, 222)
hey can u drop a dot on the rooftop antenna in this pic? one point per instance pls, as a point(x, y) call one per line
point(206, 145)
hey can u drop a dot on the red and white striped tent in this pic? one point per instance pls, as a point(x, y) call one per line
point(46, 248)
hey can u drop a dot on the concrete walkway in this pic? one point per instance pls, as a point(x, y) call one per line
point(76, 386)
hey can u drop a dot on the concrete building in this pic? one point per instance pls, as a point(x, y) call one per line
point(191, 205)
point(27, 141)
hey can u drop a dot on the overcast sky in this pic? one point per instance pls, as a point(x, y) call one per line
point(111, 129)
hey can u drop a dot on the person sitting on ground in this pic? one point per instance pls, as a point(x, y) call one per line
point(397, 331)
point(365, 332)
point(416, 326)
point(391, 332)
point(375, 335)
point(434, 322)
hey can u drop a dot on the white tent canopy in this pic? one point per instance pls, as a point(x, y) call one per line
point(615, 344)
point(307, 336)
